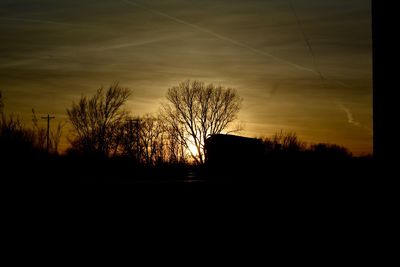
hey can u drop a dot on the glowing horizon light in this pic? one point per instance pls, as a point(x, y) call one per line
point(294, 68)
point(192, 150)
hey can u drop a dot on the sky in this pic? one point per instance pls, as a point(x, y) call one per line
point(299, 65)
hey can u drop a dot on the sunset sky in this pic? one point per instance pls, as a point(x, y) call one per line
point(52, 52)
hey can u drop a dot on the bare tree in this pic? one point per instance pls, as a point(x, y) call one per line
point(174, 146)
point(196, 111)
point(151, 139)
point(55, 137)
point(97, 120)
point(145, 139)
point(129, 134)
point(284, 142)
point(39, 132)
point(15, 138)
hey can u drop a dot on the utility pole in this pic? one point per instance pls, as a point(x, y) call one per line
point(48, 118)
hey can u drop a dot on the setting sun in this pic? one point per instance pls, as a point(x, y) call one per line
point(192, 149)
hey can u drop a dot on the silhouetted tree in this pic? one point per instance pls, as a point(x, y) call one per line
point(285, 142)
point(329, 151)
point(143, 139)
point(129, 138)
point(284, 145)
point(151, 139)
point(174, 145)
point(97, 120)
point(55, 137)
point(16, 140)
point(40, 132)
point(1, 103)
point(196, 111)
point(19, 140)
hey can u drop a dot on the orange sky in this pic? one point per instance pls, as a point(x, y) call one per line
point(55, 51)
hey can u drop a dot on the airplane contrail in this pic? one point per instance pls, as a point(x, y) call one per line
point(349, 114)
point(350, 118)
point(255, 50)
point(221, 37)
point(307, 40)
point(311, 50)
point(125, 45)
point(41, 21)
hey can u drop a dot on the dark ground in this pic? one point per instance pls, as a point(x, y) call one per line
point(354, 172)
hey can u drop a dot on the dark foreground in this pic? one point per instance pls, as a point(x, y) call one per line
point(354, 172)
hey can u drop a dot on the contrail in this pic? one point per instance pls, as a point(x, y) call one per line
point(41, 21)
point(307, 41)
point(311, 50)
point(255, 50)
point(349, 114)
point(221, 37)
point(124, 45)
point(350, 118)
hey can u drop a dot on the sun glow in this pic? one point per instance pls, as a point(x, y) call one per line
point(192, 150)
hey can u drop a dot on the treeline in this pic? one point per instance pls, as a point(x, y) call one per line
point(193, 111)
point(17, 141)
point(103, 128)
point(287, 146)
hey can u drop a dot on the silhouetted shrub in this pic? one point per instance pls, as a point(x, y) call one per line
point(17, 140)
point(329, 152)
point(283, 145)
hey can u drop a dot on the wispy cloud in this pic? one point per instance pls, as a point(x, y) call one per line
point(41, 21)
point(260, 52)
point(221, 37)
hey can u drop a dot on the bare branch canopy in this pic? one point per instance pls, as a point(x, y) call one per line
point(96, 120)
point(197, 111)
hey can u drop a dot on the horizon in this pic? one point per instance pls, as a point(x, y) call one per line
point(300, 66)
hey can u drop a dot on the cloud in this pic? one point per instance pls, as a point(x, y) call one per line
point(41, 21)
